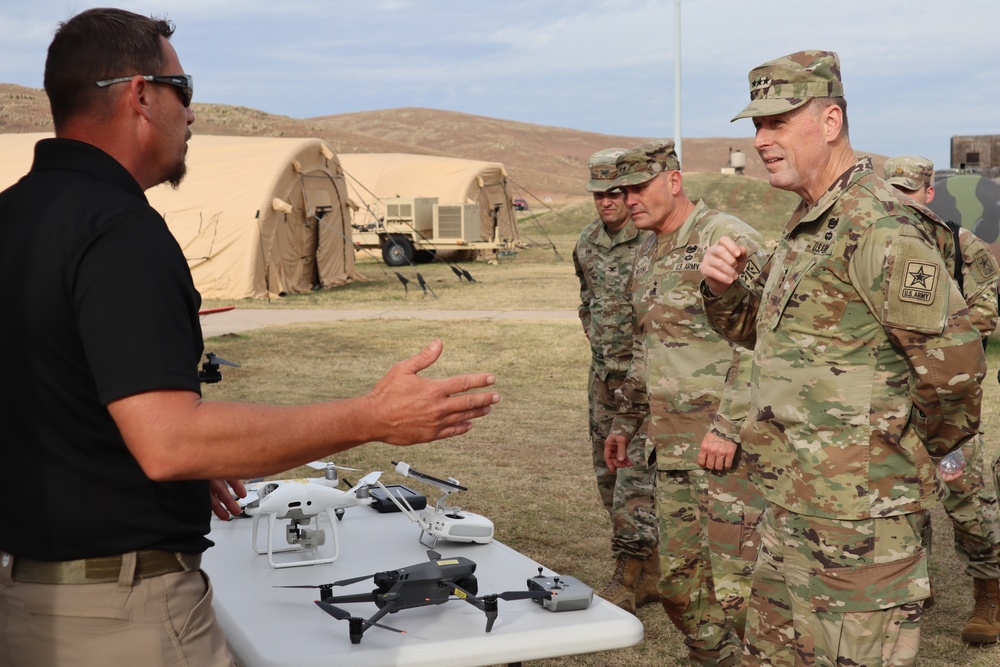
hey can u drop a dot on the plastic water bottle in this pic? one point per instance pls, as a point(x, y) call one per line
point(953, 462)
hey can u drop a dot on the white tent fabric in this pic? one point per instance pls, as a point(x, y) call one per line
point(255, 217)
point(379, 176)
point(16, 154)
point(260, 216)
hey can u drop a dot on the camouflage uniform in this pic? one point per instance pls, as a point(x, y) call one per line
point(970, 503)
point(707, 518)
point(842, 434)
point(836, 420)
point(603, 264)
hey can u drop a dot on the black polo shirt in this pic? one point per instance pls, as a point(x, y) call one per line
point(100, 305)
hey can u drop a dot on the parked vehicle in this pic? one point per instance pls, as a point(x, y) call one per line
point(413, 229)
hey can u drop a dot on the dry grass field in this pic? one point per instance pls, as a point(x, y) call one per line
point(527, 465)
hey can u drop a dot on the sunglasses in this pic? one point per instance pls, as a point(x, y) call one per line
point(184, 83)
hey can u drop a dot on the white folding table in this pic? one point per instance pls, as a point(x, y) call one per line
point(282, 627)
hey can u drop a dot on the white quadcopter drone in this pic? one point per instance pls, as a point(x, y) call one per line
point(443, 522)
point(259, 487)
point(301, 502)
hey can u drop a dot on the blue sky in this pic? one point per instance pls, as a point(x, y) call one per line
point(915, 72)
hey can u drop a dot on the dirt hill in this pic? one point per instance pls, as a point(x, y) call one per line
point(541, 161)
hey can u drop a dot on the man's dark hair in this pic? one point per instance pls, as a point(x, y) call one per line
point(95, 45)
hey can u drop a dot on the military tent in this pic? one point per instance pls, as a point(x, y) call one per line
point(255, 217)
point(375, 177)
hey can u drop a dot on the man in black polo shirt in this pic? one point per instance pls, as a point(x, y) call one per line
point(109, 445)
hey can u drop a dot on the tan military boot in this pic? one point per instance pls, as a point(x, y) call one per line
point(983, 627)
point(620, 591)
point(648, 588)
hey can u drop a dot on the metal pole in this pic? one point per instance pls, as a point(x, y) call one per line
point(677, 78)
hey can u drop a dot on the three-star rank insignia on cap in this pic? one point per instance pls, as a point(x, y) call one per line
point(760, 83)
point(919, 282)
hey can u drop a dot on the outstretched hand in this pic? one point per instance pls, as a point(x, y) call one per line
point(412, 409)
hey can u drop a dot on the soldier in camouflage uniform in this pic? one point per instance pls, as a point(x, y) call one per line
point(971, 504)
point(679, 368)
point(603, 259)
point(866, 372)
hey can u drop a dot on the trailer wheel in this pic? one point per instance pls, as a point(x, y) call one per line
point(398, 251)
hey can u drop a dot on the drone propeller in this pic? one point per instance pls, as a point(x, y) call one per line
point(342, 582)
point(212, 358)
point(322, 465)
point(367, 480)
point(342, 615)
point(488, 603)
point(521, 595)
point(433, 555)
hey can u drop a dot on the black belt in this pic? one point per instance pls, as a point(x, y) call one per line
point(106, 569)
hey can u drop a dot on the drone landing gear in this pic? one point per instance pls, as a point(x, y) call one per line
point(357, 629)
point(303, 535)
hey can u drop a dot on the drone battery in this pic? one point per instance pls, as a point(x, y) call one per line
point(382, 503)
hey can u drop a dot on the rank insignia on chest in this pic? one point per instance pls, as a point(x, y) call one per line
point(919, 282)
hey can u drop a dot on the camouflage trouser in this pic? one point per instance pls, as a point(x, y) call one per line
point(708, 531)
point(627, 494)
point(829, 592)
point(972, 507)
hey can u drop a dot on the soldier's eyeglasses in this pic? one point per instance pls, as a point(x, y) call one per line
point(184, 83)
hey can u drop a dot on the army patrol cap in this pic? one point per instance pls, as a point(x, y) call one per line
point(910, 172)
point(789, 82)
point(603, 170)
point(640, 164)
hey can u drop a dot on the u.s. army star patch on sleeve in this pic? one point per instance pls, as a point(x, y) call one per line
point(919, 281)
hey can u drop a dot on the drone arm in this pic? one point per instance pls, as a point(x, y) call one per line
point(463, 594)
point(343, 599)
point(377, 616)
point(486, 604)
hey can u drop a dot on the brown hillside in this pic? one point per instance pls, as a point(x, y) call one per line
point(541, 161)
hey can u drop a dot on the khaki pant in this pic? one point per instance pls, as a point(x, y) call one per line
point(163, 621)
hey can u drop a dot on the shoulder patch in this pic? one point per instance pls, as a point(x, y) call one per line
point(985, 264)
point(918, 287)
point(919, 282)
